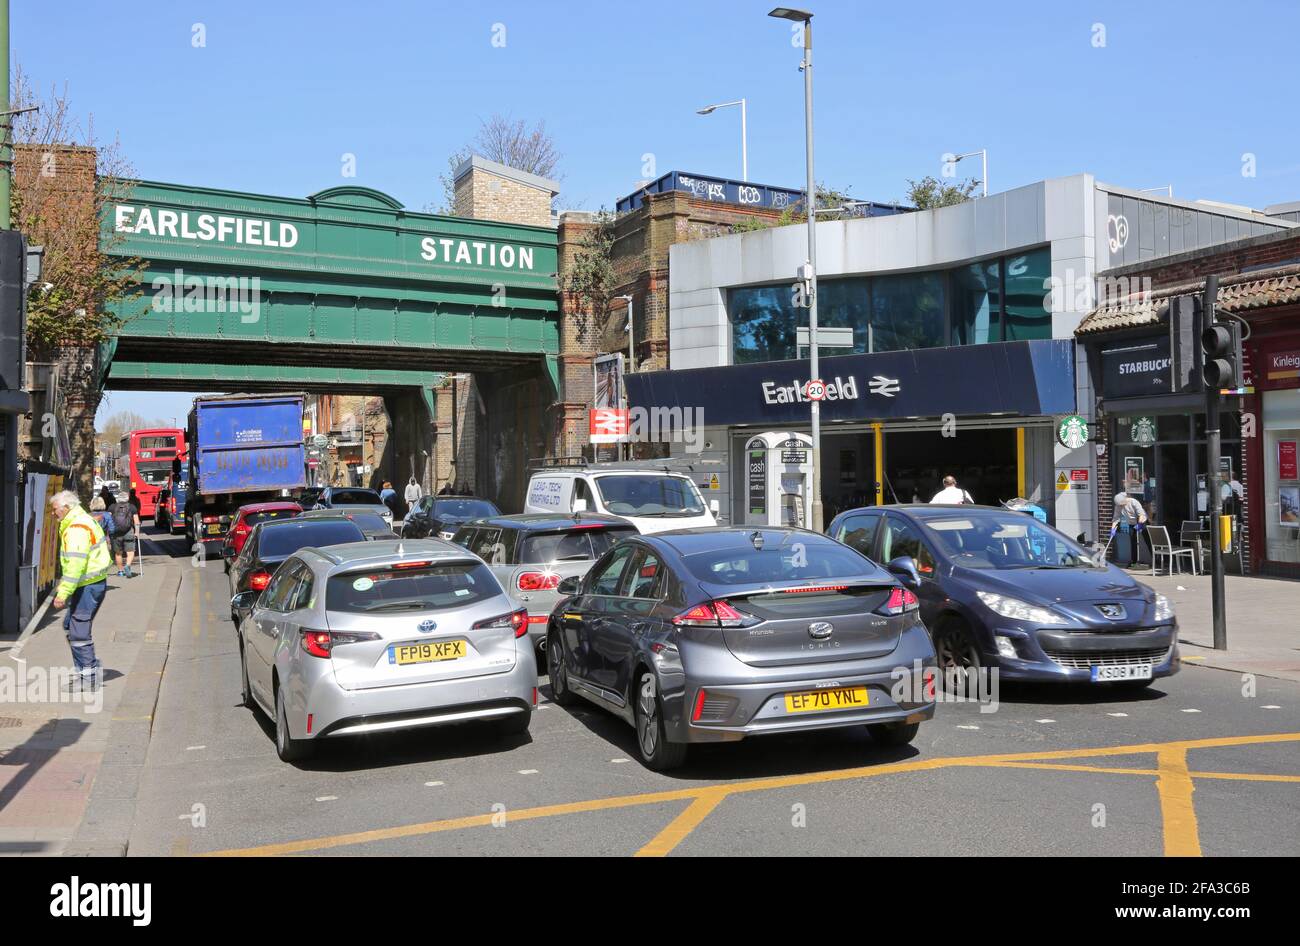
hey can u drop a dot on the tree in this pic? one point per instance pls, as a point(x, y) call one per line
point(507, 142)
point(589, 277)
point(63, 178)
point(929, 192)
point(117, 424)
point(831, 203)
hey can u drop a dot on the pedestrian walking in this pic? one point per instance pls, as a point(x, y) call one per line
point(951, 494)
point(447, 489)
point(388, 496)
point(99, 510)
point(83, 563)
point(413, 492)
point(1129, 510)
point(126, 523)
point(107, 496)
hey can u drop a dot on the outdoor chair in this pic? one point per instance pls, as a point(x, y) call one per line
point(1163, 547)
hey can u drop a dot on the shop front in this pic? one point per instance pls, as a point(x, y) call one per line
point(1274, 476)
point(894, 424)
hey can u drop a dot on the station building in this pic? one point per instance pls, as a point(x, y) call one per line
point(946, 340)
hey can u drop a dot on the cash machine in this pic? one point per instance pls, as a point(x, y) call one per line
point(778, 479)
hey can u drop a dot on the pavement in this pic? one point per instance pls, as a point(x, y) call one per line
point(55, 748)
point(171, 764)
point(1263, 622)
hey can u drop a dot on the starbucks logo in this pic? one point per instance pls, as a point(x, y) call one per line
point(1144, 430)
point(1072, 432)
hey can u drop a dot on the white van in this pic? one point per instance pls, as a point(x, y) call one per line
point(652, 500)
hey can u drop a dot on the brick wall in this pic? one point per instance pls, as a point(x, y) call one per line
point(1271, 249)
point(486, 196)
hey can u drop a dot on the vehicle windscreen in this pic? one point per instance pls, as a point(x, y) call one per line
point(1013, 540)
point(284, 540)
point(453, 585)
point(649, 496)
point(370, 521)
point(253, 518)
point(790, 562)
point(355, 497)
point(154, 472)
point(574, 545)
point(464, 509)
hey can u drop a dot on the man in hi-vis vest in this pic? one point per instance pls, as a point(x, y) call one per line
point(84, 561)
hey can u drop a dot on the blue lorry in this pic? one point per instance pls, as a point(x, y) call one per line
point(243, 448)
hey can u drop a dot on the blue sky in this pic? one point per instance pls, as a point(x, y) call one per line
point(282, 91)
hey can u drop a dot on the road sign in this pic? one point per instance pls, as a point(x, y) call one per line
point(815, 390)
point(320, 441)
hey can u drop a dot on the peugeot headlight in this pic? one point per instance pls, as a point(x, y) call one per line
point(1019, 610)
point(1164, 608)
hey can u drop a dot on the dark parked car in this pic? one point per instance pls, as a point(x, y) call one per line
point(531, 554)
point(713, 635)
point(375, 526)
point(439, 516)
point(271, 542)
point(1000, 589)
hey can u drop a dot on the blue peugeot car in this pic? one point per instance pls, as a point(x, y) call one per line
point(999, 589)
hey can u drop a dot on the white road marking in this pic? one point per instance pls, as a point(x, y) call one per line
point(1117, 714)
point(192, 748)
point(328, 798)
point(433, 784)
point(1270, 706)
point(528, 771)
point(1191, 711)
point(968, 727)
point(1044, 720)
point(617, 761)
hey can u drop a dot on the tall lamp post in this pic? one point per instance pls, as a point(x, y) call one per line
point(809, 273)
point(744, 145)
point(984, 162)
point(631, 365)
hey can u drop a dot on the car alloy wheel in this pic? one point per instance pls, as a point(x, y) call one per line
point(957, 656)
point(656, 751)
point(288, 748)
point(560, 692)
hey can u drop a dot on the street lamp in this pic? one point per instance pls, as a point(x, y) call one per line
point(744, 146)
point(984, 158)
point(809, 270)
point(631, 364)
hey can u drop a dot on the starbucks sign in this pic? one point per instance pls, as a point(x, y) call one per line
point(1143, 431)
point(1072, 432)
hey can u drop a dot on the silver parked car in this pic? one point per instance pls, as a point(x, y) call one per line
point(354, 499)
point(532, 553)
point(377, 636)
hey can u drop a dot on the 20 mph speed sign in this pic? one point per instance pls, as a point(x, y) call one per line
point(815, 390)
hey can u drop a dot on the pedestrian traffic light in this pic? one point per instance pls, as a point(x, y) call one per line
point(1221, 351)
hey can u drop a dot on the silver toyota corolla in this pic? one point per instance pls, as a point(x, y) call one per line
point(377, 636)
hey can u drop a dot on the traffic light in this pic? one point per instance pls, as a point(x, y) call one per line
point(1221, 348)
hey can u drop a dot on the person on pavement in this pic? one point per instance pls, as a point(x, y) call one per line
point(83, 564)
point(99, 509)
point(126, 526)
point(107, 496)
point(389, 497)
point(951, 494)
point(413, 492)
point(447, 489)
point(1129, 510)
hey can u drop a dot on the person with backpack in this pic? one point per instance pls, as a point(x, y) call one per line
point(99, 512)
point(952, 494)
point(126, 522)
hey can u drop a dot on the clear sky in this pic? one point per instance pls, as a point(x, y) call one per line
point(1141, 94)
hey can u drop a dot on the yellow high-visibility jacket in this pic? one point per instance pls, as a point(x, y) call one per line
point(84, 557)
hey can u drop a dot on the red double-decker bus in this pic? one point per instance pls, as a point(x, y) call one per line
point(146, 462)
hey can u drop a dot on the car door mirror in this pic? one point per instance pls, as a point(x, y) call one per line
point(904, 567)
point(244, 600)
point(570, 586)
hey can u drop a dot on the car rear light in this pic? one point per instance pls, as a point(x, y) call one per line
point(900, 601)
point(537, 581)
point(518, 620)
point(812, 589)
point(396, 565)
point(699, 706)
point(714, 614)
point(538, 618)
point(259, 580)
point(322, 643)
point(208, 519)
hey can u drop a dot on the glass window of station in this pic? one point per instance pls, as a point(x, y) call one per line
point(992, 300)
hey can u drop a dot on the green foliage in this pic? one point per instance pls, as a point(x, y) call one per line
point(589, 277)
point(929, 192)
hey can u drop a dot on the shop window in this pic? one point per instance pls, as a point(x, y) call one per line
point(977, 303)
point(1027, 281)
point(1281, 476)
